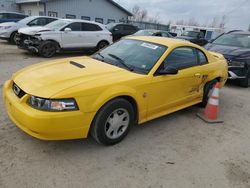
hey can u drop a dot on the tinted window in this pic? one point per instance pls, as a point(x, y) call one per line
point(75, 26)
point(165, 34)
point(202, 57)
point(48, 20)
point(129, 27)
point(90, 27)
point(3, 15)
point(38, 22)
point(238, 40)
point(111, 21)
point(181, 58)
point(118, 27)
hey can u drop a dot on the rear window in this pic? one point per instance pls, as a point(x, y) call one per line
point(90, 27)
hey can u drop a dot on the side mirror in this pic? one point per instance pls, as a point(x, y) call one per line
point(168, 70)
point(66, 30)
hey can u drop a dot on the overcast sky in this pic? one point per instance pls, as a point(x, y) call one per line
point(203, 11)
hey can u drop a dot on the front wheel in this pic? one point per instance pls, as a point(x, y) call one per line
point(112, 123)
point(246, 82)
point(47, 49)
point(12, 38)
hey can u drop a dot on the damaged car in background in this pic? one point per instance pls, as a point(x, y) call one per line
point(64, 35)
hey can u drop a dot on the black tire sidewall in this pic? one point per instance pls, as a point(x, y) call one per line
point(245, 82)
point(98, 125)
point(12, 38)
point(100, 44)
point(207, 88)
point(41, 47)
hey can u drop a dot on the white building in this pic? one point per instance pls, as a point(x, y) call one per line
point(103, 11)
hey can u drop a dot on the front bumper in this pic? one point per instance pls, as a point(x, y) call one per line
point(45, 125)
point(4, 35)
point(28, 43)
point(237, 72)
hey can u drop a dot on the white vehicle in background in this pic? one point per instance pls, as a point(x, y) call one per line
point(64, 35)
point(8, 30)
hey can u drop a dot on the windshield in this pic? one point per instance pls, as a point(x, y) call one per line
point(57, 24)
point(26, 20)
point(139, 56)
point(237, 40)
point(144, 33)
point(190, 34)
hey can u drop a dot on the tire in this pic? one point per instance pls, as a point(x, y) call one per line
point(207, 92)
point(118, 112)
point(246, 82)
point(12, 37)
point(101, 45)
point(47, 49)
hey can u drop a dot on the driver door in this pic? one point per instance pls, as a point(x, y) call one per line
point(169, 93)
point(74, 38)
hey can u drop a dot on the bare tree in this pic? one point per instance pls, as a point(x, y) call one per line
point(139, 14)
point(223, 22)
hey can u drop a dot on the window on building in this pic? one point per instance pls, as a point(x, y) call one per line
point(111, 21)
point(90, 27)
point(29, 12)
point(41, 13)
point(70, 16)
point(85, 18)
point(99, 20)
point(52, 14)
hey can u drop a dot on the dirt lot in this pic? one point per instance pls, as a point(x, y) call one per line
point(175, 151)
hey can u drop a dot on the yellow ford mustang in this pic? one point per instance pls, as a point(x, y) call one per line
point(132, 81)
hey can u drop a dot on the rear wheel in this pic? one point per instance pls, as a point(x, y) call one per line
point(208, 88)
point(246, 82)
point(12, 38)
point(102, 45)
point(112, 123)
point(47, 49)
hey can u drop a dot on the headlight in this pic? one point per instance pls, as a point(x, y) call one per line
point(57, 105)
point(236, 64)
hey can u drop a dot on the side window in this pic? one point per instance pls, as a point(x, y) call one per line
point(38, 22)
point(110, 21)
point(49, 20)
point(118, 28)
point(74, 26)
point(90, 27)
point(181, 58)
point(202, 58)
point(3, 16)
point(165, 34)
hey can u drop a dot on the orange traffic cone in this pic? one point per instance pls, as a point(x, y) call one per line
point(211, 113)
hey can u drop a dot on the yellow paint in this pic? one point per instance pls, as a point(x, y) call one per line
point(99, 83)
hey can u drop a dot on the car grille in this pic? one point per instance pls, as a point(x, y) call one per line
point(18, 91)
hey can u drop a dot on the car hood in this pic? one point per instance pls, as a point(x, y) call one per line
point(229, 50)
point(49, 79)
point(8, 24)
point(33, 30)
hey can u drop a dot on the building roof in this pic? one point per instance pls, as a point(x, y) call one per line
point(110, 1)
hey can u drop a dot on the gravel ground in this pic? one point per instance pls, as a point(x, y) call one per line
point(175, 151)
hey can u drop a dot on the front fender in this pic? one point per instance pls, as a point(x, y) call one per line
point(119, 91)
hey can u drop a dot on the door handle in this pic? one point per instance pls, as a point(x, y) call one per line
point(197, 75)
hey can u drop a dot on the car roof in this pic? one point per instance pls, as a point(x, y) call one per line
point(240, 32)
point(83, 21)
point(169, 42)
point(7, 12)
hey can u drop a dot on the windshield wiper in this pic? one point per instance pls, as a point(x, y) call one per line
point(121, 62)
